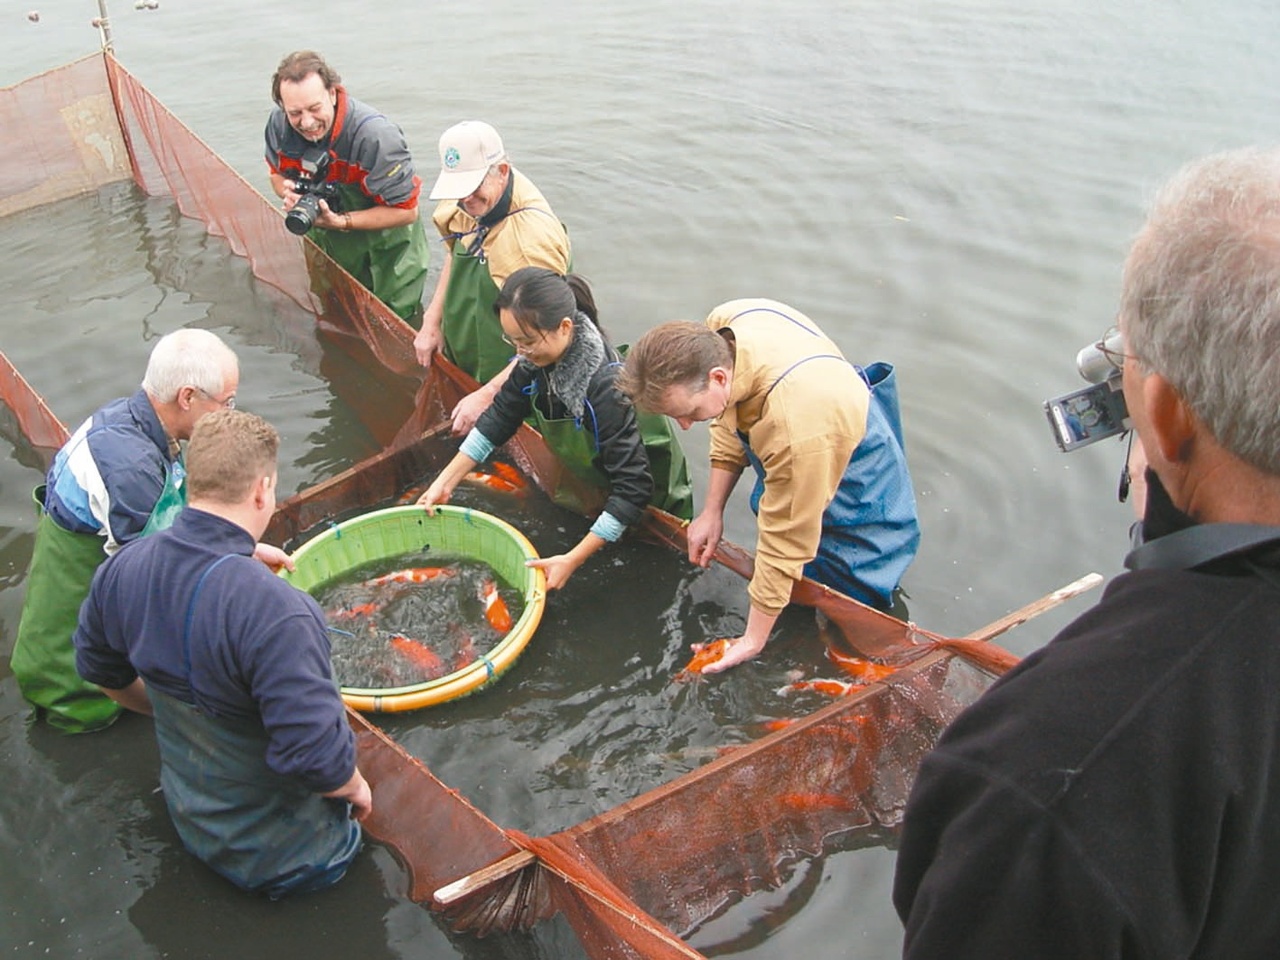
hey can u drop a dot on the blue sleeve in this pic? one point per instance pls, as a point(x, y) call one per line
point(608, 527)
point(289, 676)
point(476, 446)
point(96, 660)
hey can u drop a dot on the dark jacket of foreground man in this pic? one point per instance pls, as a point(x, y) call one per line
point(1114, 795)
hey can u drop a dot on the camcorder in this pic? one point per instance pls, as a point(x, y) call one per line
point(312, 187)
point(1097, 411)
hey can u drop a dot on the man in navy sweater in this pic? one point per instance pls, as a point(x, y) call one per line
point(257, 760)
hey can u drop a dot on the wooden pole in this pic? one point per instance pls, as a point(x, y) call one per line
point(103, 23)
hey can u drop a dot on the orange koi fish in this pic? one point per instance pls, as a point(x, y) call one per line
point(495, 608)
point(358, 610)
point(420, 655)
point(495, 481)
point(510, 474)
point(779, 724)
point(709, 654)
point(864, 671)
point(832, 688)
point(411, 495)
point(410, 575)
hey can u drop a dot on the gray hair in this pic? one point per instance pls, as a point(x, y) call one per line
point(188, 358)
point(1200, 302)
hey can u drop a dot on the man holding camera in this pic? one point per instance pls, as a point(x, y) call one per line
point(346, 177)
point(1118, 793)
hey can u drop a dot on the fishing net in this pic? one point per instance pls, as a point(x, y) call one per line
point(635, 879)
point(25, 420)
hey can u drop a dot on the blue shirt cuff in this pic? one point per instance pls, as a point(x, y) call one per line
point(608, 527)
point(476, 446)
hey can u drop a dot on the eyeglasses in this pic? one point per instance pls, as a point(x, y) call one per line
point(523, 344)
point(1111, 346)
point(228, 404)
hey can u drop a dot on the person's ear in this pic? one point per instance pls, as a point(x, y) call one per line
point(262, 492)
point(186, 397)
point(719, 376)
point(1172, 421)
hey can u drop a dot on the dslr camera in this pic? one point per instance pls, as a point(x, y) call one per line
point(312, 187)
point(1097, 411)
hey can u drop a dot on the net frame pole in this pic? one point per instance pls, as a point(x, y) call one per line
point(103, 23)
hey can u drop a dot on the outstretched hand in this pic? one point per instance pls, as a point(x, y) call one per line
point(558, 569)
point(439, 492)
point(739, 650)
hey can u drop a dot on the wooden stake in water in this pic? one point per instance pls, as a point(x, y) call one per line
point(103, 23)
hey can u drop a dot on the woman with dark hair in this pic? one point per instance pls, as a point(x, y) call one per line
point(564, 380)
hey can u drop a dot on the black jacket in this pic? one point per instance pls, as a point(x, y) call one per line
point(1118, 793)
point(609, 419)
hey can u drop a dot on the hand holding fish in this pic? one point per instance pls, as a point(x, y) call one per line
point(736, 650)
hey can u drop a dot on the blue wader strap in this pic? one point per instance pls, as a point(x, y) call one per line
point(191, 615)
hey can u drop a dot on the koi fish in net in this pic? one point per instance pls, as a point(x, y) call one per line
point(831, 688)
point(495, 608)
point(861, 672)
point(411, 575)
point(420, 655)
point(501, 477)
point(703, 658)
point(354, 611)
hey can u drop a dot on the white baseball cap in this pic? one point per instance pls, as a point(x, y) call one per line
point(467, 151)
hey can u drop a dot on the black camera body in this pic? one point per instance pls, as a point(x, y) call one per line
point(302, 217)
point(1095, 412)
point(312, 187)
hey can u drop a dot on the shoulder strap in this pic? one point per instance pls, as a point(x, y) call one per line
point(191, 614)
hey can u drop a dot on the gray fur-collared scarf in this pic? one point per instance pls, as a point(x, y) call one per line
point(571, 376)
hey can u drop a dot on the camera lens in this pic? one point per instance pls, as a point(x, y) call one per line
point(303, 215)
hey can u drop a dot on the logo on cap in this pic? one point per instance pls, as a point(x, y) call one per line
point(451, 157)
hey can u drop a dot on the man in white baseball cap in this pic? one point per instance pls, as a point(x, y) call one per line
point(495, 221)
point(467, 151)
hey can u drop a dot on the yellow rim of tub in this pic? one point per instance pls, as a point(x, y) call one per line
point(452, 532)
